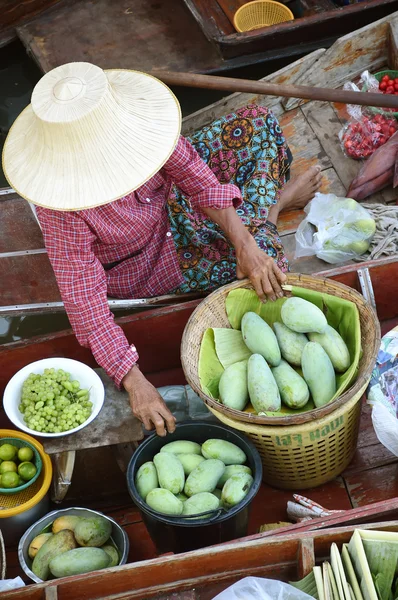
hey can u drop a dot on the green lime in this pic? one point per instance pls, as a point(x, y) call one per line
point(8, 452)
point(21, 481)
point(27, 470)
point(9, 480)
point(8, 466)
point(25, 454)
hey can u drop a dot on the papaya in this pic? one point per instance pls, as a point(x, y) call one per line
point(235, 489)
point(263, 390)
point(302, 316)
point(366, 227)
point(200, 503)
point(65, 522)
point(233, 386)
point(112, 553)
point(93, 531)
point(260, 339)
point(59, 543)
point(217, 493)
point(146, 479)
point(334, 346)
point(164, 502)
point(170, 472)
point(204, 478)
point(37, 543)
point(292, 388)
point(232, 470)
point(189, 461)
point(319, 374)
point(181, 497)
point(78, 561)
point(181, 447)
point(228, 453)
point(291, 343)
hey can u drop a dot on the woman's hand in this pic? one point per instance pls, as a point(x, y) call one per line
point(261, 269)
point(147, 404)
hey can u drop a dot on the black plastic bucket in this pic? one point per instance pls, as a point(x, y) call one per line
point(177, 534)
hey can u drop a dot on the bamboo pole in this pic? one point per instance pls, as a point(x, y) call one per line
point(232, 84)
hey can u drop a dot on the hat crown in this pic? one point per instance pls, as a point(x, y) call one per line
point(69, 89)
point(69, 92)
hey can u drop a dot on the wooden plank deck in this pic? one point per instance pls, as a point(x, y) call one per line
point(311, 128)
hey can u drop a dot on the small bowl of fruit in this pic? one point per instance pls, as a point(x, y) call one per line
point(388, 84)
point(53, 397)
point(20, 465)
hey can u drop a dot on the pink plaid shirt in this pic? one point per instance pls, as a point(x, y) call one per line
point(136, 231)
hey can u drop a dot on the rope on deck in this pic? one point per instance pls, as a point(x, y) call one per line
point(385, 240)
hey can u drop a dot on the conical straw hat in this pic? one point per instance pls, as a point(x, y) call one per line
point(90, 137)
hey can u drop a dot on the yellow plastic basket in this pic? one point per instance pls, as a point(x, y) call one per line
point(20, 502)
point(261, 13)
point(298, 451)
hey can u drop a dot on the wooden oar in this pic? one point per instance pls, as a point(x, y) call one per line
point(232, 84)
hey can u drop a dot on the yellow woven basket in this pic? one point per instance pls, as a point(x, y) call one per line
point(14, 504)
point(298, 451)
point(261, 13)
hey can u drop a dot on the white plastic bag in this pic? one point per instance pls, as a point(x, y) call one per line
point(335, 229)
point(386, 428)
point(11, 584)
point(256, 588)
point(382, 392)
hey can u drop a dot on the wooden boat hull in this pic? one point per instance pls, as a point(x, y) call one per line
point(157, 334)
point(311, 130)
point(202, 574)
point(315, 30)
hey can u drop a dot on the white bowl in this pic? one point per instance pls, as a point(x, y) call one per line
point(86, 376)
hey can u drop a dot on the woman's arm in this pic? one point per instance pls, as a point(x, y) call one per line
point(252, 262)
point(82, 283)
point(218, 202)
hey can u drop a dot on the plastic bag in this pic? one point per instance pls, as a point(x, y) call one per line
point(256, 588)
point(367, 130)
point(11, 584)
point(382, 392)
point(184, 404)
point(335, 229)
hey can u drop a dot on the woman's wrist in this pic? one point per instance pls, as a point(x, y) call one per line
point(244, 244)
point(131, 378)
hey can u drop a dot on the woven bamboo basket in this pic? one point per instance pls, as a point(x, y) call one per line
point(298, 451)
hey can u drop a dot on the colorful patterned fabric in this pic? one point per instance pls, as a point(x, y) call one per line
point(247, 149)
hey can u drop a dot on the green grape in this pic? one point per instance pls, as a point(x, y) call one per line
point(53, 402)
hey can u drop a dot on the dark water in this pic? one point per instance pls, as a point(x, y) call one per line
point(18, 76)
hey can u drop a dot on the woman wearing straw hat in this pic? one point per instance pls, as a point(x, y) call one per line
point(129, 208)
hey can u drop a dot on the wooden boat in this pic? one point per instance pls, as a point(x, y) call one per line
point(13, 14)
point(203, 574)
point(312, 132)
point(318, 24)
point(183, 35)
point(371, 478)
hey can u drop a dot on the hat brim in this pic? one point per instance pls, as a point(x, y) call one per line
point(96, 159)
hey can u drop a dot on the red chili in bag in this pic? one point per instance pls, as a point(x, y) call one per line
point(361, 138)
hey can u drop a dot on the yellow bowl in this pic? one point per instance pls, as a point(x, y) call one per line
point(13, 505)
point(261, 13)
